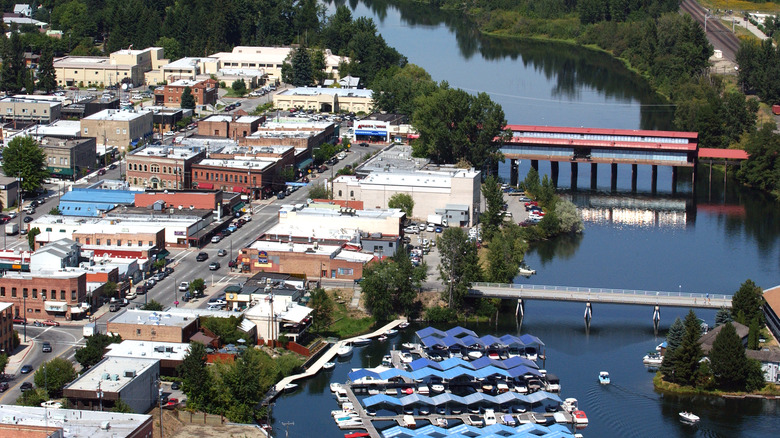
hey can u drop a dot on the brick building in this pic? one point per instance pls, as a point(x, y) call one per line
point(162, 167)
point(285, 154)
point(69, 157)
point(204, 92)
point(292, 132)
point(44, 294)
point(145, 325)
point(39, 422)
point(238, 176)
point(229, 126)
point(6, 328)
point(121, 236)
point(187, 199)
point(312, 259)
point(118, 128)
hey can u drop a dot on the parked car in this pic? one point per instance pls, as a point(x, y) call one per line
point(216, 239)
point(46, 347)
point(150, 283)
point(141, 290)
point(20, 320)
point(168, 271)
point(114, 307)
point(159, 276)
point(184, 286)
point(131, 295)
point(26, 369)
point(3, 386)
point(111, 166)
point(51, 322)
point(232, 264)
point(28, 219)
point(175, 385)
point(171, 403)
point(102, 172)
point(214, 266)
point(202, 257)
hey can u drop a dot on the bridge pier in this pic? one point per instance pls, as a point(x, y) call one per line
point(634, 172)
point(588, 315)
point(535, 165)
point(520, 309)
point(594, 173)
point(654, 179)
point(554, 173)
point(513, 173)
point(574, 172)
point(674, 179)
point(613, 179)
point(656, 319)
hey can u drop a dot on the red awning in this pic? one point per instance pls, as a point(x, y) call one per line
point(207, 186)
point(239, 189)
point(413, 136)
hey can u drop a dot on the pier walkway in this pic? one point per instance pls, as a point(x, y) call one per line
point(331, 353)
point(600, 295)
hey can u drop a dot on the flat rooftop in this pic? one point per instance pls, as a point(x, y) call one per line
point(185, 63)
point(149, 317)
point(30, 99)
point(116, 368)
point(258, 163)
point(184, 83)
point(335, 211)
point(77, 423)
point(249, 150)
point(340, 92)
point(149, 350)
point(174, 152)
point(89, 62)
point(309, 248)
point(71, 273)
point(118, 115)
point(318, 231)
point(393, 159)
point(62, 128)
point(218, 118)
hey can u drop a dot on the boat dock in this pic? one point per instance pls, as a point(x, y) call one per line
point(328, 357)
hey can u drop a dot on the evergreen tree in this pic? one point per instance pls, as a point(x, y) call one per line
point(187, 99)
point(753, 334)
point(13, 70)
point(688, 354)
point(323, 309)
point(723, 316)
point(47, 77)
point(747, 302)
point(301, 67)
point(196, 380)
point(459, 265)
point(493, 216)
point(728, 360)
point(673, 340)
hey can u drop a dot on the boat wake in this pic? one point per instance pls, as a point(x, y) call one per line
point(603, 401)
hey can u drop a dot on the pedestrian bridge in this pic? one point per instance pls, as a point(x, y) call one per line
point(599, 295)
point(590, 295)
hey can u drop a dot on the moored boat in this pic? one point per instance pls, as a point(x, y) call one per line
point(335, 386)
point(580, 417)
point(361, 341)
point(403, 325)
point(652, 358)
point(569, 405)
point(345, 350)
point(290, 386)
point(328, 365)
point(381, 338)
point(391, 332)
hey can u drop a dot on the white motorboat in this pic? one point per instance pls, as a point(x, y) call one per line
point(403, 325)
point(525, 272)
point(381, 338)
point(328, 365)
point(652, 358)
point(345, 350)
point(473, 355)
point(335, 386)
point(361, 341)
point(580, 417)
point(341, 413)
point(569, 405)
point(391, 332)
point(489, 418)
point(437, 387)
point(387, 360)
point(350, 424)
point(409, 345)
point(406, 358)
point(604, 378)
point(689, 417)
point(290, 386)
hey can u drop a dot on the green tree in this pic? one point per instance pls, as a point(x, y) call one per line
point(403, 201)
point(3, 362)
point(396, 88)
point(110, 289)
point(152, 305)
point(31, 237)
point(747, 302)
point(493, 216)
point(298, 71)
point(728, 360)
point(24, 158)
point(323, 309)
point(391, 286)
point(239, 87)
point(455, 125)
point(33, 397)
point(55, 211)
point(171, 47)
point(688, 354)
point(568, 218)
point(754, 376)
point(47, 77)
point(226, 328)
point(196, 380)
point(197, 286)
point(762, 168)
point(753, 334)
point(54, 375)
point(723, 316)
point(505, 254)
point(531, 182)
point(187, 99)
point(121, 406)
point(94, 349)
point(376, 286)
point(14, 71)
point(459, 266)
point(320, 191)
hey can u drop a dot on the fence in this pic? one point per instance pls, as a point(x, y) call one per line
point(200, 418)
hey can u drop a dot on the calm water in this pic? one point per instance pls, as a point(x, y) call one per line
point(710, 242)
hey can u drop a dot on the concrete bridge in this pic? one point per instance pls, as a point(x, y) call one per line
point(588, 295)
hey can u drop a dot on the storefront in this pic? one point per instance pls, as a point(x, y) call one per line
point(370, 130)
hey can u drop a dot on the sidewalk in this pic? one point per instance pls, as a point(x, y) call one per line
point(16, 359)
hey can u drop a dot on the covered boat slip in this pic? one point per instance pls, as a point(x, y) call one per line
point(495, 430)
point(477, 398)
point(426, 373)
point(462, 338)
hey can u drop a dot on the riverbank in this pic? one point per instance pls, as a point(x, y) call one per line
point(769, 392)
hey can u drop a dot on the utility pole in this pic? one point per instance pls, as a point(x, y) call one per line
point(160, 390)
point(100, 395)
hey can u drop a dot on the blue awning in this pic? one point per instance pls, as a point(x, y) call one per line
point(370, 132)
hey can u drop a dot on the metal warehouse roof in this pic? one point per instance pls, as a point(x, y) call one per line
point(96, 195)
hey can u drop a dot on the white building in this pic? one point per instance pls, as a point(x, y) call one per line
point(327, 100)
point(270, 60)
point(59, 254)
point(317, 216)
point(23, 421)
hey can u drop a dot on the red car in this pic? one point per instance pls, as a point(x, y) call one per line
point(51, 322)
point(172, 402)
point(20, 320)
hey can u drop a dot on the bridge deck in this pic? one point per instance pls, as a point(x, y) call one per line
point(600, 295)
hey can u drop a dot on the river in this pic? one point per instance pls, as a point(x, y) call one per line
point(708, 240)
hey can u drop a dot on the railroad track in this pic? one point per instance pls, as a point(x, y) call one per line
point(717, 34)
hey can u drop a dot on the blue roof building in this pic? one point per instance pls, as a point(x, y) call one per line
point(94, 202)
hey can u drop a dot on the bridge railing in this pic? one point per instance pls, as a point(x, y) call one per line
point(594, 290)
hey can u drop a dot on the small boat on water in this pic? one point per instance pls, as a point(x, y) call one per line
point(361, 341)
point(409, 345)
point(569, 405)
point(345, 350)
point(356, 435)
point(290, 386)
point(387, 360)
point(441, 422)
point(328, 365)
point(688, 417)
point(604, 378)
point(381, 338)
point(652, 358)
point(525, 271)
point(348, 424)
point(580, 417)
point(474, 355)
point(403, 325)
point(391, 332)
point(335, 386)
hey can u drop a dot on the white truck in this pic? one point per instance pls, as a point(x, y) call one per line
point(90, 329)
point(11, 228)
point(437, 219)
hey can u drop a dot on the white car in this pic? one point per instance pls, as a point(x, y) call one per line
point(411, 230)
point(131, 295)
point(431, 228)
point(51, 404)
point(184, 286)
point(215, 239)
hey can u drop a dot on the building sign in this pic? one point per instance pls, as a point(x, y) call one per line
point(262, 257)
point(371, 129)
point(178, 233)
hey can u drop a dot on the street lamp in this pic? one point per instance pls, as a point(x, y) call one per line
point(19, 204)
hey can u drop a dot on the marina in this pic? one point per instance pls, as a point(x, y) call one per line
point(486, 395)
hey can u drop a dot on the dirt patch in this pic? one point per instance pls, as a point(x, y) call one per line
point(171, 424)
point(223, 431)
point(431, 298)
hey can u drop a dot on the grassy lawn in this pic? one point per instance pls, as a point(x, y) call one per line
point(231, 93)
point(741, 5)
point(347, 322)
